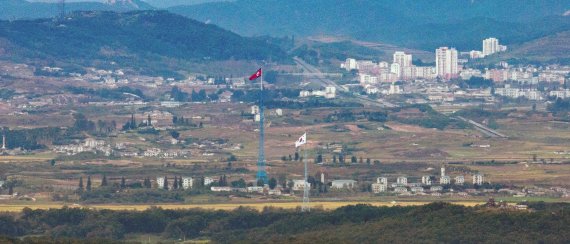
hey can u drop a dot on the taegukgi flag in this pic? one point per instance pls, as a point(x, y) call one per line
point(301, 140)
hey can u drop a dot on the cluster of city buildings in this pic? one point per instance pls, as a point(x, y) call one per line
point(447, 65)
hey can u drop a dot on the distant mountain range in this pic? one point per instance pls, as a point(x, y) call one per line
point(414, 24)
point(147, 40)
point(171, 3)
point(411, 23)
point(21, 9)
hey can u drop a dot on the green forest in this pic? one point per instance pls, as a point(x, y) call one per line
point(432, 223)
point(137, 39)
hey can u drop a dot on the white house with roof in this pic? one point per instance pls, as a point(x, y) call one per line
point(477, 179)
point(417, 189)
point(92, 143)
point(209, 180)
point(459, 180)
point(255, 189)
point(160, 182)
point(378, 187)
point(343, 184)
point(300, 185)
point(220, 188)
point(187, 182)
point(402, 180)
point(445, 180)
point(436, 188)
point(426, 180)
point(152, 152)
point(400, 189)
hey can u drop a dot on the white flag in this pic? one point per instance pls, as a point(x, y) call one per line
point(302, 140)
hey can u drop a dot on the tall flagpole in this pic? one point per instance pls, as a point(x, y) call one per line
point(261, 174)
point(305, 207)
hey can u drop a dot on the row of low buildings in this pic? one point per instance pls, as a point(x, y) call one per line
point(528, 75)
point(402, 185)
point(89, 145)
point(188, 183)
point(100, 146)
point(329, 93)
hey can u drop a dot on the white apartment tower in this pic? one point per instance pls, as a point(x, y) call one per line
point(477, 179)
point(187, 182)
point(459, 180)
point(446, 62)
point(3, 142)
point(402, 180)
point(396, 69)
point(350, 64)
point(442, 171)
point(426, 180)
point(445, 180)
point(403, 59)
point(490, 46)
point(160, 182)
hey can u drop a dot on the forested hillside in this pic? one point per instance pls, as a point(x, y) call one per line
point(133, 39)
point(414, 24)
point(22, 9)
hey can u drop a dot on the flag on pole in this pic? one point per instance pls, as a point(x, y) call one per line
point(302, 140)
point(256, 75)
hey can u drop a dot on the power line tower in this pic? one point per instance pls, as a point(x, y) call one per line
point(61, 9)
point(261, 173)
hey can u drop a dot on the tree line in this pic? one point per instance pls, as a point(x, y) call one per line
point(432, 223)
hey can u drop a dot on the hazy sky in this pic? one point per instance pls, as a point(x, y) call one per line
point(155, 3)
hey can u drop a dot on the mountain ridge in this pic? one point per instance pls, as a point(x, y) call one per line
point(415, 24)
point(143, 38)
point(21, 9)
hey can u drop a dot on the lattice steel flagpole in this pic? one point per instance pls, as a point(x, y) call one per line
point(305, 207)
point(261, 173)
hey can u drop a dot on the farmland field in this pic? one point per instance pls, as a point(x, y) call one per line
point(222, 206)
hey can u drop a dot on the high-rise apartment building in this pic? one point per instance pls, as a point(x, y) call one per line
point(446, 62)
point(490, 46)
point(403, 59)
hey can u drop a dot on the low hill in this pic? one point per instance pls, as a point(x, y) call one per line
point(552, 48)
point(549, 48)
point(142, 39)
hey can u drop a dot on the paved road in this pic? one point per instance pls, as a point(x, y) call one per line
point(321, 78)
point(484, 129)
point(317, 75)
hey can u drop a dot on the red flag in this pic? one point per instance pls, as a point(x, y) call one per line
point(256, 75)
